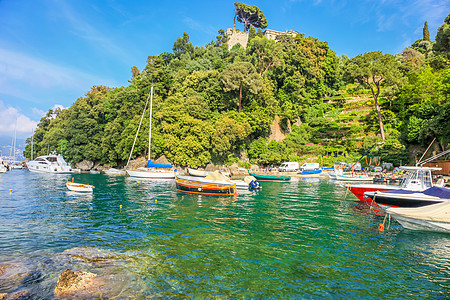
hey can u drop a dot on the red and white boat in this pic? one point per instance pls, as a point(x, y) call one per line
point(417, 179)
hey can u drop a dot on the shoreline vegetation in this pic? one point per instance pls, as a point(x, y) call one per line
point(285, 99)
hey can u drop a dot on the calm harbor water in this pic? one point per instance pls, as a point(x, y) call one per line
point(297, 239)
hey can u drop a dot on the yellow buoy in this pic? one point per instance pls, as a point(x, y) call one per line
point(10, 191)
point(156, 200)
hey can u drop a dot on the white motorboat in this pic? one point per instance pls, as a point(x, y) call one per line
point(434, 217)
point(49, 164)
point(417, 179)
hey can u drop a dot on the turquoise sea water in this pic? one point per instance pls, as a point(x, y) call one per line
point(297, 239)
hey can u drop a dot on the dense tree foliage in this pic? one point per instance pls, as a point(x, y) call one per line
point(374, 69)
point(277, 100)
point(249, 15)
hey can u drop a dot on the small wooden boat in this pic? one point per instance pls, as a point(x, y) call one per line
point(270, 177)
point(80, 187)
point(188, 184)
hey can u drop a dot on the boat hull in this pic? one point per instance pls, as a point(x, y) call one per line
point(79, 187)
point(418, 224)
point(433, 217)
point(152, 174)
point(42, 170)
point(359, 190)
point(309, 172)
point(353, 178)
point(269, 177)
point(203, 188)
point(402, 200)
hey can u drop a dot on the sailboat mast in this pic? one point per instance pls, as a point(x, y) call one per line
point(14, 151)
point(32, 135)
point(150, 123)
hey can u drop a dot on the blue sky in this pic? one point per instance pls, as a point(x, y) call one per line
point(53, 51)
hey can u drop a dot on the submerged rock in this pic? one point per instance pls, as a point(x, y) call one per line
point(78, 284)
point(11, 276)
point(22, 295)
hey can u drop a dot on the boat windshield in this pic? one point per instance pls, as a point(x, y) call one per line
point(418, 180)
point(51, 159)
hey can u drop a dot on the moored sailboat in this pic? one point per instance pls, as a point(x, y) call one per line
point(153, 170)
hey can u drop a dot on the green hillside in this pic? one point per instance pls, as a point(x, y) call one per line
point(216, 105)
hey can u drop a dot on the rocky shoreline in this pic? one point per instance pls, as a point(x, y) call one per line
point(77, 273)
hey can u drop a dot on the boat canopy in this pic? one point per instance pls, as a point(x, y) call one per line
point(161, 166)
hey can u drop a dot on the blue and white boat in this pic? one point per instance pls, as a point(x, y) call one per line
point(407, 198)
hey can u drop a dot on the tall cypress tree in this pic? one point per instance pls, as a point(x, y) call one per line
point(426, 33)
point(251, 33)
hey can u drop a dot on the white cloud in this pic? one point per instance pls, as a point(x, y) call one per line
point(38, 112)
point(9, 115)
point(18, 71)
point(58, 106)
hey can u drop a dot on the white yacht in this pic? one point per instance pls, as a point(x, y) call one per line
point(49, 164)
point(3, 167)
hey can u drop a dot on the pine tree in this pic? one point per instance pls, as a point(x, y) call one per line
point(426, 33)
point(259, 33)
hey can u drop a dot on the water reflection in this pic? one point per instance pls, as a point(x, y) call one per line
point(293, 240)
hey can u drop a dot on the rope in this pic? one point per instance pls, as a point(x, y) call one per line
point(137, 132)
point(346, 194)
point(373, 201)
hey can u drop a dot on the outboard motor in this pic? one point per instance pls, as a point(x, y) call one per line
point(253, 185)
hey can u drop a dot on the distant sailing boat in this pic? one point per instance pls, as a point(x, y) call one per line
point(153, 170)
point(14, 164)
